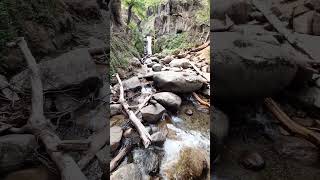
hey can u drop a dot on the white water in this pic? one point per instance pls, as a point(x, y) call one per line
point(149, 45)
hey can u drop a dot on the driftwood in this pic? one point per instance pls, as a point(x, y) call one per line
point(42, 127)
point(292, 126)
point(201, 47)
point(97, 141)
point(144, 135)
point(140, 106)
point(199, 72)
point(277, 24)
point(73, 145)
point(195, 95)
point(122, 153)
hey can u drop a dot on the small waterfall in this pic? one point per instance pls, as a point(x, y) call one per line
point(149, 43)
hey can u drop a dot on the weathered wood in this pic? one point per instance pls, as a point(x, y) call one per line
point(140, 106)
point(195, 95)
point(144, 135)
point(41, 127)
point(290, 125)
point(122, 153)
point(201, 47)
point(199, 72)
point(73, 145)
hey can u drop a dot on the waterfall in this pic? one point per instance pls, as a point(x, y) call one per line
point(149, 43)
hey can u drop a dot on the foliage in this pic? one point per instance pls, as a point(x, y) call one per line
point(203, 14)
point(138, 7)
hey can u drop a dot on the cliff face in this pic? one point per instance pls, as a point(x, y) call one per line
point(178, 16)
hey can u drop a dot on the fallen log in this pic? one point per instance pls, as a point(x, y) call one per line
point(290, 125)
point(277, 24)
point(144, 135)
point(201, 47)
point(199, 72)
point(195, 95)
point(42, 127)
point(122, 153)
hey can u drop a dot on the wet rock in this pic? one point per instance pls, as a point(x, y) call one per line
point(131, 83)
point(261, 68)
point(252, 161)
point(93, 119)
point(115, 109)
point(115, 137)
point(167, 60)
point(147, 160)
point(183, 63)
point(56, 73)
point(158, 138)
point(297, 149)
point(177, 82)
point(36, 173)
point(192, 164)
point(127, 172)
point(303, 23)
point(156, 67)
point(189, 112)
point(15, 150)
point(152, 113)
point(168, 100)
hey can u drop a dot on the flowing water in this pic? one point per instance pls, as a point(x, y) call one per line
point(149, 45)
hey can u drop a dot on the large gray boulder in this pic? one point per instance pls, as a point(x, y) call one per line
point(127, 172)
point(152, 113)
point(177, 82)
point(246, 68)
point(15, 150)
point(168, 99)
point(71, 68)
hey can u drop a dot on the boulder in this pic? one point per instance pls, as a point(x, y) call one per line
point(177, 82)
point(184, 63)
point(115, 137)
point(131, 83)
point(156, 67)
point(147, 160)
point(15, 150)
point(158, 138)
point(168, 100)
point(135, 62)
point(316, 24)
point(303, 23)
point(247, 68)
point(152, 113)
point(167, 60)
point(115, 109)
point(34, 173)
point(57, 74)
point(127, 172)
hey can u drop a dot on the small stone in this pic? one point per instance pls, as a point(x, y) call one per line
point(168, 100)
point(156, 67)
point(189, 112)
point(158, 138)
point(252, 161)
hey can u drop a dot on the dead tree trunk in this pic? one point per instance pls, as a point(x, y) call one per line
point(42, 127)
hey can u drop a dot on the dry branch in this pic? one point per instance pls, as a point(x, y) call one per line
point(41, 127)
point(290, 125)
point(144, 135)
point(122, 153)
point(200, 100)
point(199, 72)
point(201, 47)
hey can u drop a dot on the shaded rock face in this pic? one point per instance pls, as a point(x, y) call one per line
point(237, 10)
point(36, 173)
point(252, 161)
point(250, 69)
point(177, 82)
point(147, 160)
point(127, 172)
point(168, 100)
point(152, 113)
point(56, 73)
point(15, 150)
